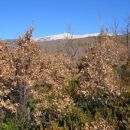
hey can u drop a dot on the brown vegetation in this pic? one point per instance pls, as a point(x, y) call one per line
point(38, 89)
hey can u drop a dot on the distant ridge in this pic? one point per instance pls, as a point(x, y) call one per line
point(64, 36)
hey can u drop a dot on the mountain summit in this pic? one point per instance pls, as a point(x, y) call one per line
point(64, 36)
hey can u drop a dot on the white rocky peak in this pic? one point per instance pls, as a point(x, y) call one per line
point(64, 36)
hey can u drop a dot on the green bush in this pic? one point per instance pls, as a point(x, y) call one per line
point(9, 124)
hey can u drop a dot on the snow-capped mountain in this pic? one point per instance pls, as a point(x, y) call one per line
point(64, 36)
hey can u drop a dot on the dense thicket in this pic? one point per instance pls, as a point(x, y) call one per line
point(48, 92)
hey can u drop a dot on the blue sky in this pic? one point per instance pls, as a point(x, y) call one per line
point(53, 16)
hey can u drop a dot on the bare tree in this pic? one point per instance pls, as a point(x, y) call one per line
point(115, 28)
point(127, 29)
point(127, 33)
point(71, 47)
point(103, 34)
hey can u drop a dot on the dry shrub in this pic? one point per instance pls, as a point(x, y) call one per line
point(98, 82)
point(33, 81)
point(101, 124)
point(26, 73)
point(6, 78)
point(96, 72)
point(55, 72)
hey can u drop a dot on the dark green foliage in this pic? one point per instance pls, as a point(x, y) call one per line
point(9, 124)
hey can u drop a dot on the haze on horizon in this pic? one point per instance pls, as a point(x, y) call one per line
point(52, 17)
